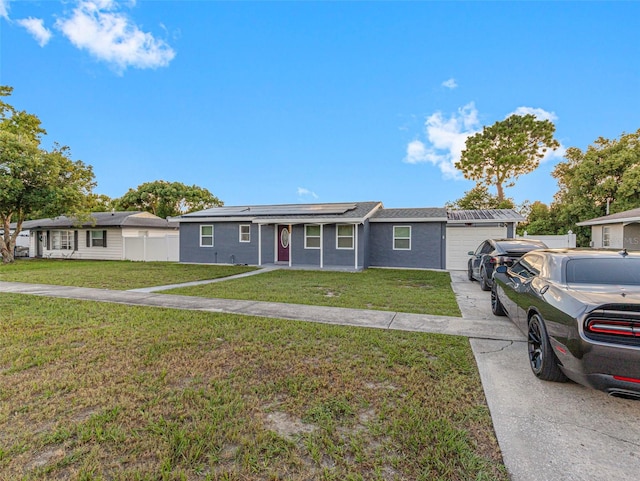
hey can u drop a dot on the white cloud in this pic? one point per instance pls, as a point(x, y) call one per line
point(35, 26)
point(446, 139)
point(450, 84)
point(4, 9)
point(306, 192)
point(111, 36)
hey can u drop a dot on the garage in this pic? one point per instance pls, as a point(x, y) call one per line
point(466, 229)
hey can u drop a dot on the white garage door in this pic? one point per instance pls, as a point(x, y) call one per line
point(461, 240)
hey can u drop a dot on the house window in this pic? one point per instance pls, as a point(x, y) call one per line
point(62, 240)
point(312, 237)
point(97, 238)
point(344, 236)
point(245, 233)
point(206, 236)
point(401, 238)
point(606, 237)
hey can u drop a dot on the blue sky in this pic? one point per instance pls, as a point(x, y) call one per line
point(285, 102)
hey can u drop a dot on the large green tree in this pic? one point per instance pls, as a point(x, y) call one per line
point(166, 199)
point(480, 198)
point(604, 177)
point(501, 153)
point(33, 179)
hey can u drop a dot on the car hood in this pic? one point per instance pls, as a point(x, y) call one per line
point(605, 294)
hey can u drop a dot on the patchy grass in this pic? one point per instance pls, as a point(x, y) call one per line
point(111, 274)
point(418, 291)
point(132, 393)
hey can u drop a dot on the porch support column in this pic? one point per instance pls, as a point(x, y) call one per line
point(321, 246)
point(259, 244)
point(290, 245)
point(355, 240)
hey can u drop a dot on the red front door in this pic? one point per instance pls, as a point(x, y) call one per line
point(283, 243)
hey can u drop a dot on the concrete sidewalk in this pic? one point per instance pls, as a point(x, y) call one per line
point(500, 330)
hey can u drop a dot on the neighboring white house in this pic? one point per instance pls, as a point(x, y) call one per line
point(105, 236)
point(615, 231)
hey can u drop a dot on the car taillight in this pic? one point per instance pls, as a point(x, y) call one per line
point(616, 328)
point(627, 379)
point(498, 260)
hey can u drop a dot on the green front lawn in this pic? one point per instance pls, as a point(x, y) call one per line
point(134, 393)
point(417, 291)
point(111, 274)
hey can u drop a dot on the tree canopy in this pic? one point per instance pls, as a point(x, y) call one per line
point(166, 199)
point(607, 174)
point(480, 198)
point(501, 153)
point(33, 179)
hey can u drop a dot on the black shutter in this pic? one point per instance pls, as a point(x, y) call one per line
point(88, 238)
point(75, 240)
point(104, 238)
point(48, 240)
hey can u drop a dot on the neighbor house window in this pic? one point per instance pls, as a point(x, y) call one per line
point(312, 237)
point(62, 240)
point(97, 238)
point(206, 236)
point(606, 237)
point(245, 233)
point(401, 238)
point(344, 236)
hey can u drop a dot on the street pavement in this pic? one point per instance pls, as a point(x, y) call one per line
point(546, 431)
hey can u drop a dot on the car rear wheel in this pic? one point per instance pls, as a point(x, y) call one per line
point(496, 305)
point(484, 280)
point(542, 359)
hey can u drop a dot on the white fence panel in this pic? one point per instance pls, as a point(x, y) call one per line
point(554, 241)
point(152, 248)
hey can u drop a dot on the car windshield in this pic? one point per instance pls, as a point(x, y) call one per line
point(623, 270)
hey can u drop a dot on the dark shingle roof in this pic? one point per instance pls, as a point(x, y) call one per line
point(413, 214)
point(632, 215)
point(102, 219)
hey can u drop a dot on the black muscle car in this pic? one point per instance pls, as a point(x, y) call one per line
point(580, 311)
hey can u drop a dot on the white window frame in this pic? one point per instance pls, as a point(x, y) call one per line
point(244, 236)
point(62, 240)
point(397, 237)
point(307, 237)
point(93, 238)
point(606, 236)
point(338, 236)
point(207, 236)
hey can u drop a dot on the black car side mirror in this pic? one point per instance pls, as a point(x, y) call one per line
point(501, 269)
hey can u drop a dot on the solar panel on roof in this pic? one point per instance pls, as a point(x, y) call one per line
point(277, 210)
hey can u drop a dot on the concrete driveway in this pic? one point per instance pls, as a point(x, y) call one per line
point(549, 431)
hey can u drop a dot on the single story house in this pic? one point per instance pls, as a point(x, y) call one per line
point(615, 231)
point(102, 236)
point(354, 235)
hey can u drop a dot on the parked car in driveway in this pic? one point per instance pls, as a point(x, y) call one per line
point(580, 311)
point(495, 252)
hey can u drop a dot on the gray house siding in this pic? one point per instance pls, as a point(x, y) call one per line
point(226, 249)
point(331, 255)
point(427, 251)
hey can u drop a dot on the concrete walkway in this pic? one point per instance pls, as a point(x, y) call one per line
point(546, 431)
